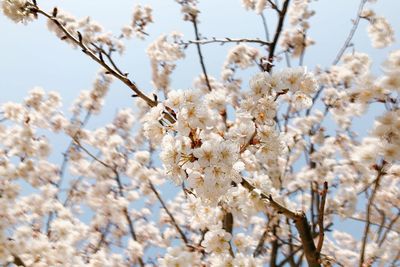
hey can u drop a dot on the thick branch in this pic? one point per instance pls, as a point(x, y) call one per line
point(18, 261)
point(96, 58)
point(300, 221)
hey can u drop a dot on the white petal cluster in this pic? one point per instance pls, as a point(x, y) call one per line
point(242, 56)
point(93, 100)
point(163, 53)
point(296, 39)
point(257, 5)
point(380, 32)
point(189, 9)
point(17, 10)
point(180, 256)
point(391, 68)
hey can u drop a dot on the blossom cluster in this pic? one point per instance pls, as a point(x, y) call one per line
point(142, 16)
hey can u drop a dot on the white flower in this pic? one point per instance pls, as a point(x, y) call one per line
point(216, 241)
point(206, 154)
point(292, 78)
point(301, 101)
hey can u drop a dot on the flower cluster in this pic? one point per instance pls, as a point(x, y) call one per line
point(17, 10)
point(257, 5)
point(296, 38)
point(142, 17)
point(163, 53)
point(379, 30)
point(189, 9)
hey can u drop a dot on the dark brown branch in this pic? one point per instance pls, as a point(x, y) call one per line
point(289, 257)
point(102, 238)
point(274, 249)
point(203, 66)
point(274, 6)
point(368, 223)
point(109, 57)
point(18, 261)
point(321, 212)
point(278, 32)
point(300, 221)
point(260, 245)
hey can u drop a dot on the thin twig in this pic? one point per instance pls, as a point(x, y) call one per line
point(265, 25)
point(368, 223)
point(389, 228)
point(120, 191)
point(274, 6)
point(244, 147)
point(351, 34)
point(224, 41)
point(64, 166)
point(108, 56)
point(174, 223)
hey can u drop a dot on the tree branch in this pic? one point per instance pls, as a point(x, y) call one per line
point(203, 66)
point(225, 40)
point(174, 223)
point(96, 58)
point(321, 211)
point(351, 34)
point(278, 31)
point(300, 221)
point(369, 206)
